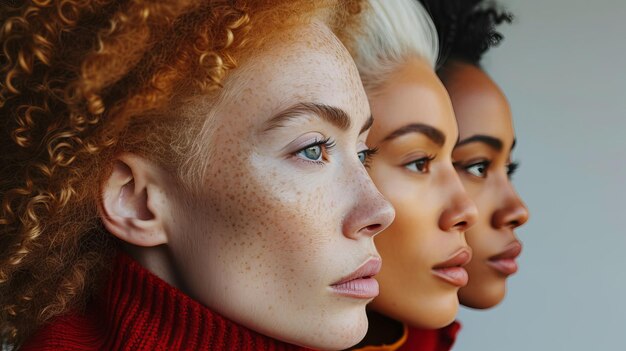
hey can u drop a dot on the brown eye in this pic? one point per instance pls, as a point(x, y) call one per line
point(478, 169)
point(420, 165)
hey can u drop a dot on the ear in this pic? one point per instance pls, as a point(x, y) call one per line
point(133, 206)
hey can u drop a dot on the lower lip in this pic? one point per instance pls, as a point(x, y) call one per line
point(506, 266)
point(456, 276)
point(362, 288)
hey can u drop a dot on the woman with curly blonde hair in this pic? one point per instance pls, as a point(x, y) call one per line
point(184, 175)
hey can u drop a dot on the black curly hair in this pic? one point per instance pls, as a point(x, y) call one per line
point(466, 28)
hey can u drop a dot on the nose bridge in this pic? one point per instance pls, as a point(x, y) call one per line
point(460, 212)
point(369, 213)
point(511, 210)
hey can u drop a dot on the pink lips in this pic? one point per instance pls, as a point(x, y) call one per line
point(360, 284)
point(452, 271)
point(505, 262)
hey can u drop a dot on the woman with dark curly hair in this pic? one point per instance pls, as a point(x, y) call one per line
point(467, 29)
point(184, 175)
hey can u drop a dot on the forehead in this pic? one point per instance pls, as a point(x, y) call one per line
point(303, 64)
point(479, 104)
point(413, 94)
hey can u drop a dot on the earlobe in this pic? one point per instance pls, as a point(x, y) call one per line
point(132, 206)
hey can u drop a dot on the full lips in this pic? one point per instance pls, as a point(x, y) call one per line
point(360, 283)
point(504, 262)
point(451, 271)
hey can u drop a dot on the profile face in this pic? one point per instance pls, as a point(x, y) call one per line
point(483, 160)
point(424, 249)
point(287, 212)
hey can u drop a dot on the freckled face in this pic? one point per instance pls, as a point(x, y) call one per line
point(414, 171)
point(484, 165)
point(287, 208)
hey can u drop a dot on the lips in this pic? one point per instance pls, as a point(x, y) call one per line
point(504, 262)
point(360, 284)
point(452, 271)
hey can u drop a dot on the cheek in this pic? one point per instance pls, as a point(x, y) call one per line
point(482, 195)
point(269, 209)
point(395, 186)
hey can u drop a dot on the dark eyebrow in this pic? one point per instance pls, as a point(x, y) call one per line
point(490, 141)
point(333, 115)
point(432, 133)
point(367, 125)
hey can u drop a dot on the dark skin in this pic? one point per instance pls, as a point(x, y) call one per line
point(483, 161)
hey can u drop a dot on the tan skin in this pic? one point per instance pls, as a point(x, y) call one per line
point(415, 132)
point(483, 161)
point(280, 216)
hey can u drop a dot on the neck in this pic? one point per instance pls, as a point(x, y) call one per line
point(158, 260)
point(382, 330)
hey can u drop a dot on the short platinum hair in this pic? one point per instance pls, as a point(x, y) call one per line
point(392, 32)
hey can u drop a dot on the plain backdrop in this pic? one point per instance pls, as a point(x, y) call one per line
point(563, 67)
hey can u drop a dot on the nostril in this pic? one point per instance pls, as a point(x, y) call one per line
point(462, 224)
point(373, 228)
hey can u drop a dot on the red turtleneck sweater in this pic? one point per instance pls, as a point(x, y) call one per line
point(139, 311)
point(431, 339)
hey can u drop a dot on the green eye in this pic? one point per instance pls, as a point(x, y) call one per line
point(313, 153)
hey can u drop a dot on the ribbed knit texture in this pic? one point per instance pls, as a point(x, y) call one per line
point(431, 339)
point(139, 311)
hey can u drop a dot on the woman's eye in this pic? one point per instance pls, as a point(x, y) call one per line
point(317, 152)
point(478, 169)
point(420, 165)
point(362, 156)
point(313, 153)
point(366, 155)
point(511, 168)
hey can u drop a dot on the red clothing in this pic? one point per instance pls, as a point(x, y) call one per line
point(431, 339)
point(139, 311)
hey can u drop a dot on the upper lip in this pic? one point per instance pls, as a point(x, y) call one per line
point(512, 250)
point(460, 258)
point(368, 269)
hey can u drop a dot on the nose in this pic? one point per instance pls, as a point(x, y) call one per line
point(370, 214)
point(460, 212)
point(513, 212)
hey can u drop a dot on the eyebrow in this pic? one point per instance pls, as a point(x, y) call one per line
point(367, 125)
point(490, 141)
point(335, 116)
point(432, 133)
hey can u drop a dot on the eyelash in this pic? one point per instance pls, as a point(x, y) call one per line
point(327, 145)
point(369, 153)
point(511, 168)
point(426, 161)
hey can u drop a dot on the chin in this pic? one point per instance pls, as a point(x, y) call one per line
point(427, 313)
point(438, 318)
point(484, 296)
point(339, 333)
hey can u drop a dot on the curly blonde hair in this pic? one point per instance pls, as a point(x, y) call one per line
point(81, 81)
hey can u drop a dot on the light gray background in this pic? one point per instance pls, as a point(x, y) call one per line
point(563, 66)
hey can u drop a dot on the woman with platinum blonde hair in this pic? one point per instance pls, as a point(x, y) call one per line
point(414, 131)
